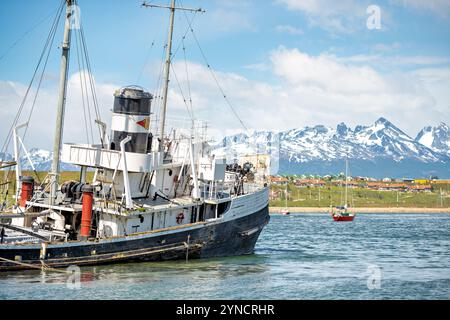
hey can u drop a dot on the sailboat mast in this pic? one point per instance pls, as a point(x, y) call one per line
point(286, 197)
point(346, 182)
point(166, 77)
point(61, 103)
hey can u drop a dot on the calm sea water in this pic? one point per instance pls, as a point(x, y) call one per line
point(380, 256)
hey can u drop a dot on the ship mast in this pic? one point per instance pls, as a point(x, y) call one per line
point(172, 8)
point(166, 78)
point(61, 103)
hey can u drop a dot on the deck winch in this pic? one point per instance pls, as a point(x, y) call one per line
point(72, 191)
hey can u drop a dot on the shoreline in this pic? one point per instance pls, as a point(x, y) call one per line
point(325, 210)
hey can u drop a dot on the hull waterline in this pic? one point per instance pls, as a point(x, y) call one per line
point(343, 218)
point(202, 240)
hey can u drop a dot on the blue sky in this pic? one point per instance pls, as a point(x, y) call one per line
point(292, 63)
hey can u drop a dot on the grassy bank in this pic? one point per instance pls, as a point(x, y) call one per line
point(315, 197)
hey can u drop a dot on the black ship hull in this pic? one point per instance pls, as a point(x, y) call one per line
point(201, 240)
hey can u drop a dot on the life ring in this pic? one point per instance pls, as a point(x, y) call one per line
point(180, 218)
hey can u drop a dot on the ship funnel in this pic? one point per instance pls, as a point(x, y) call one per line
point(131, 117)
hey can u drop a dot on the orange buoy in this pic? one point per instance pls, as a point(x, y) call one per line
point(86, 215)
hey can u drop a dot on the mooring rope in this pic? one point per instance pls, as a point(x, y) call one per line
point(43, 266)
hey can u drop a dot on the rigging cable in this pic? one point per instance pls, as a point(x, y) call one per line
point(41, 79)
point(185, 100)
point(230, 105)
point(91, 80)
point(181, 44)
point(185, 34)
point(187, 77)
point(159, 87)
point(48, 45)
point(159, 84)
point(190, 112)
point(84, 89)
point(22, 105)
point(26, 33)
point(147, 57)
point(38, 89)
point(80, 69)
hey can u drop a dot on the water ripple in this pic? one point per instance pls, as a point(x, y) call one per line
point(303, 256)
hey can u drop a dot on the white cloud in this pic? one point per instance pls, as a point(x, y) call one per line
point(232, 20)
point(318, 90)
point(437, 81)
point(322, 7)
point(327, 89)
point(75, 123)
point(289, 29)
point(11, 95)
point(344, 16)
point(258, 67)
point(325, 73)
point(440, 8)
point(383, 47)
point(42, 125)
point(396, 60)
point(311, 90)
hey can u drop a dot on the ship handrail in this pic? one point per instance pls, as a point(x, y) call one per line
point(13, 215)
point(128, 235)
point(24, 231)
point(96, 157)
point(6, 164)
point(156, 231)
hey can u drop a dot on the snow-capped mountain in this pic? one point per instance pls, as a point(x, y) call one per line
point(41, 159)
point(436, 138)
point(379, 150)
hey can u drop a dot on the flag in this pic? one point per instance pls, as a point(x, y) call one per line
point(144, 123)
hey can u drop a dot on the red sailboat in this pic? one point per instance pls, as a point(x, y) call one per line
point(341, 213)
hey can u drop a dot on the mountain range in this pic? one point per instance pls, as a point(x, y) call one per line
point(379, 150)
point(41, 159)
